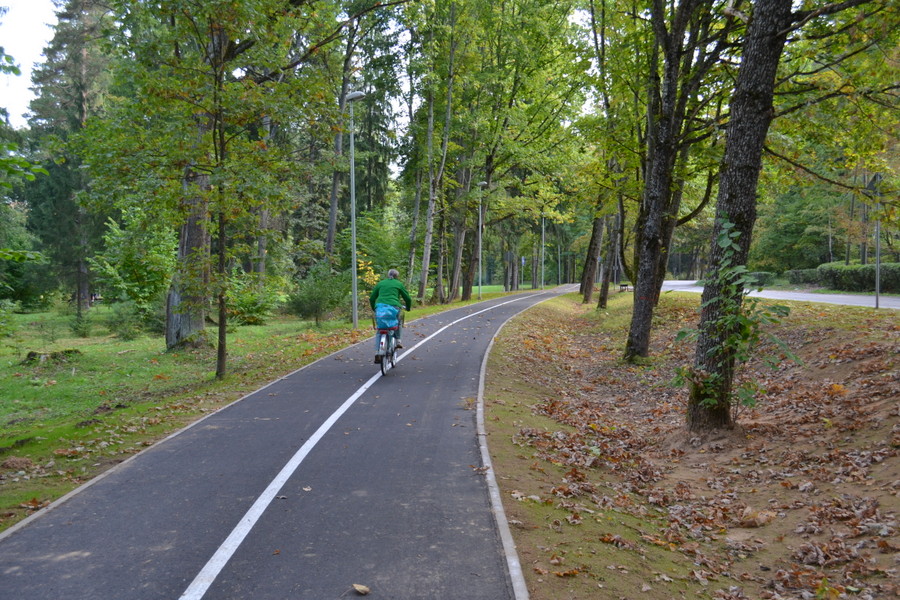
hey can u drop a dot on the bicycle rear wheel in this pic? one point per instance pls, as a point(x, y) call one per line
point(393, 351)
point(386, 354)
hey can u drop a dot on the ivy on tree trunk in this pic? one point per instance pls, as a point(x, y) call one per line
point(709, 406)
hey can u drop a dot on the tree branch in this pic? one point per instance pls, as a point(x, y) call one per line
point(811, 172)
point(311, 50)
point(803, 17)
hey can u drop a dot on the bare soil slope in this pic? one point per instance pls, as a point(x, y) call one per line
point(609, 497)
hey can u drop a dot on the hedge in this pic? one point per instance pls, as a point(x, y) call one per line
point(802, 276)
point(859, 278)
point(761, 278)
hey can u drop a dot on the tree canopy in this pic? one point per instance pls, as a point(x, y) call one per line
point(197, 151)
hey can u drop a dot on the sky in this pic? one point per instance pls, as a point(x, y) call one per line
point(24, 32)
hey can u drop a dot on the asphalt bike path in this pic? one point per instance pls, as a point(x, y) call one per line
point(328, 477)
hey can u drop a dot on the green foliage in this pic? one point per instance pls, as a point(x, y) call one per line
point(859, 278)
point(125, 320)
point(81, 325)
point(7, 324)
point(137, 262)
point(802, 276)
point(319, 292)
point(760, 278)
point(382, 241)
point(252, 298)
point(794, 228)
point(739, 326)
point(17, 257)
point(13, 167)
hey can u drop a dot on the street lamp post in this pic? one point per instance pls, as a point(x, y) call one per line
point(483, 185)
point(351, 98)
point(543, 242)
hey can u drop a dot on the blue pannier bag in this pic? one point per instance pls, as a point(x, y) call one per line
point(387, 316)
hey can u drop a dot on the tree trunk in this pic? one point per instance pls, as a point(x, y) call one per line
point(337, 175)
point(429, 215)
point(458, 246)
point(590, 262)
point(435, 179)
point(471, 251)
point(662, 152)
point(187, 298)
point(609, 265)
point(439, 296)
point(709, 405)
point(222, 346)
point(690, 46)
point(412, 231)
point(262, 243)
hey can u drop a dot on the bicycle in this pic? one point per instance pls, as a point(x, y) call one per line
point(387, 345)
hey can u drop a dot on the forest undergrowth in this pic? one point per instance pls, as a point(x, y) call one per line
point(608, 495)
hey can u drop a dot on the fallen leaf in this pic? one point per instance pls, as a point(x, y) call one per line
point(752, 518)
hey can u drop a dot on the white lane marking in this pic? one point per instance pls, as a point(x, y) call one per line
point(214, 566)
point(205, 578)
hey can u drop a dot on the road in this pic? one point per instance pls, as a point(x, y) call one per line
point(843, 299)
point(328, 477)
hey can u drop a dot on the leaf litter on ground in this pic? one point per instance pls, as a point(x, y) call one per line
point(799, 501)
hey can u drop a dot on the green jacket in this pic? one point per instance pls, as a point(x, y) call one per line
point(390, 291)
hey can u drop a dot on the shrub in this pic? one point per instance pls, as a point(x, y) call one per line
point(138, 261)
point(250, 301)
point(761, 278)
point(802, 276)
point(125, 320)
point(859, 278)
point(319, 292)
point(7, 308)
point(81, 325)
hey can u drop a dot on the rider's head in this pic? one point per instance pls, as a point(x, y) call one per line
point(393, 274)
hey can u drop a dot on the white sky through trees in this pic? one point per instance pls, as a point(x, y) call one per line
point(25, 30)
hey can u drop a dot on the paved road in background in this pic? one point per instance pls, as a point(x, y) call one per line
point(843, 299)
point(329, 477)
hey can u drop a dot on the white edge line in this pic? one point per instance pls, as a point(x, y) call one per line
point(520, 589)
point(517, 577)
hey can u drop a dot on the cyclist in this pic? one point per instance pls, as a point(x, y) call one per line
point(386, 300)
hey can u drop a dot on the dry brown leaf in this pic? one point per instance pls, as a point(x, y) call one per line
point(754, 518)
